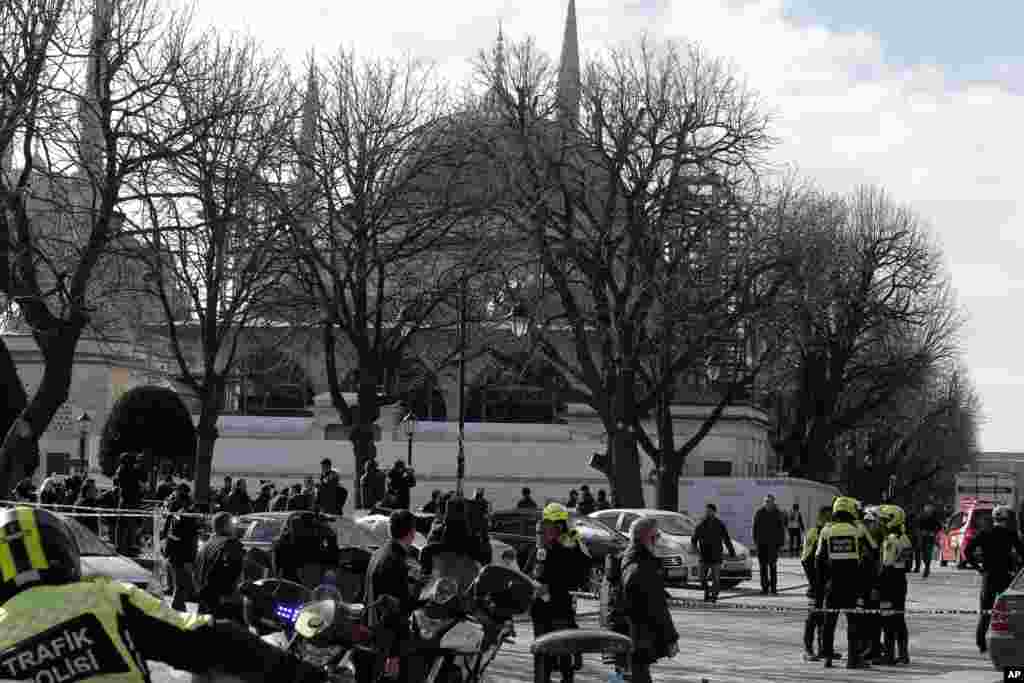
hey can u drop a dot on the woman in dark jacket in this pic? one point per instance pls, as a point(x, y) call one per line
point(644, 601)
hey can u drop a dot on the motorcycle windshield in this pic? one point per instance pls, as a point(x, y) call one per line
point(510, 591)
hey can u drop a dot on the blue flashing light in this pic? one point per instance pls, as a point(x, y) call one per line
point(287, 614)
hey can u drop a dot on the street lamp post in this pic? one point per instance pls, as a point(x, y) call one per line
point(520, 319)
point(84, 427)
point(409, 428)
point(460, 468)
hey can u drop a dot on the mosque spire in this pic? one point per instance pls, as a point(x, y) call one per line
point(499, 58)
point(310, 112)
point(90, 135)
point(568, 97)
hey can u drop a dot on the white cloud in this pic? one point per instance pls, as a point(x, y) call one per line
point(845, 117)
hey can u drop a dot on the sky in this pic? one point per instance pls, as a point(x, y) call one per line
point(923, 98)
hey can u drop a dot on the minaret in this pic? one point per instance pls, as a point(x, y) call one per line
point(568, 96)
point(308, 130)
point(493, 99)
point(91, 136)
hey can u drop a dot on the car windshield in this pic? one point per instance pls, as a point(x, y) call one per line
point(677, 525)
point(979, 517)
point(350, 533)
point(89, 543)
point(591, 527)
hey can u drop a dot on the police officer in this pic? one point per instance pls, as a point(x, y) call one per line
point(839, 563)
point(870, 623)
point(559, 564)
point(897, 558)
point(55, 626)
point(996, 546)
point(815, 592)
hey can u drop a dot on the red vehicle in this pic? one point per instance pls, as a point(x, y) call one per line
point(960, 528)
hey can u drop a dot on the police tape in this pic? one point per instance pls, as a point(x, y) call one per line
point(787, 609)
point(85, 511)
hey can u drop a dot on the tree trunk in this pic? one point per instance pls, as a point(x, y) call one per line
point(668, 485)
point(667, 493)
point(19, 454)
point(206, 439)
point(363, 432)
point(626, 487)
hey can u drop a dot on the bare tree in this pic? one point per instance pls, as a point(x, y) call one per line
point(623, 210)
point(211, 237)
point(383, 226)
point(78, 81)
point(868, 315)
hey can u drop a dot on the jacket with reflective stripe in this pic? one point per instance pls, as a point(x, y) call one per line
point(841, 542)
point(896, 552)
point(78, 632)
point(810, 544)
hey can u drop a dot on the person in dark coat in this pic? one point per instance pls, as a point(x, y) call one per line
point(166, 488)
point(388, 574)
point(401, 480)
point(218, 568)
point(306, 550)
point(709, 539)
point(526, 502)
point(331, 496)
point(303, 498)
point(279, 503)
point(88, 498)
point(928, 525)
point(181, 537)
point(574, 500)
point(587, 503)
point(769, 537)
point(644, 601)
point(433, 506)
point(262, 502)
point(602, 500)
point(238, 502)
point(72, 488)
point(224, 493)
point(128, 479)
point(560, 564)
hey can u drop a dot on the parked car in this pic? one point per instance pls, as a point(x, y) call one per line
point(518, 528)
point(99, 558)
point(682, 566)
point(1006, 630)
point(378, 525)
point(958, 530)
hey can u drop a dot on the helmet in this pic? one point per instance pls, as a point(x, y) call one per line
point(36, 547)
point(555, 512)
point(844, 504)
point(1002, 513)
point(872, 514)
point(892, 516)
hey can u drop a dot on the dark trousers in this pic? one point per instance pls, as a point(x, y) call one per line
point(894, 596)
point(927, 546)
point(640, 667)
point(991, 586)
point(815, 622)
point(181, 577)
point(794, 542)
point(841, 596)
point(768, 559)
point(710, 577)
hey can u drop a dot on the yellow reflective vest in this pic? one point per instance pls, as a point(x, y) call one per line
point(897, 551)
point(810, 544)
point(841, 542)
point(77, 632)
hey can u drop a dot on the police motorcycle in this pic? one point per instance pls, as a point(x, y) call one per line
point(317, 626)
point(459, 635)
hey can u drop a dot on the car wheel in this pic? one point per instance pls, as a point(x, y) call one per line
point(596, 579)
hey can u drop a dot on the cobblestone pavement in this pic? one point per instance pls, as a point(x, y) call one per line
point(725, 646)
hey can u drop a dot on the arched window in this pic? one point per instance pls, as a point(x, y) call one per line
point(517, 389)
point(267, 382)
